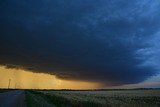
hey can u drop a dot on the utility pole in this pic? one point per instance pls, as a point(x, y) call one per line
point(15, 85)
point(9, 83)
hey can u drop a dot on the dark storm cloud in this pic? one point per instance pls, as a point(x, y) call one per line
point(109, 41)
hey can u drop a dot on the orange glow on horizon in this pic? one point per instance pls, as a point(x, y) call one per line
point(24, 79)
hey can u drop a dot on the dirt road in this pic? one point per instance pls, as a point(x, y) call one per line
point(12, 99)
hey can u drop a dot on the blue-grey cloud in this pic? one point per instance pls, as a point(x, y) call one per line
point(110, 41)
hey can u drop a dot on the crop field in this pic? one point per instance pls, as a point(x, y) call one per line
point(107, 98)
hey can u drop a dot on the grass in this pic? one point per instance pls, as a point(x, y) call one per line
point(33, 100)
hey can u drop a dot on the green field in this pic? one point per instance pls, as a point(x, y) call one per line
point(105, 98)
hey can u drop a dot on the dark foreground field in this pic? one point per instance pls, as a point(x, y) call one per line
point(101, 98)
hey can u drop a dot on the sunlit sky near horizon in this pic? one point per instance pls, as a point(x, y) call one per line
point(23, 79)
point(80, 44)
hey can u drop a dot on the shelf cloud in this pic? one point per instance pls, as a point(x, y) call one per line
point(114, 42)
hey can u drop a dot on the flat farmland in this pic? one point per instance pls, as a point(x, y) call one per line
point(107, 98)
point(110, 93)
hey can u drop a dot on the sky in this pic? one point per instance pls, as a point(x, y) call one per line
point(101, 43)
